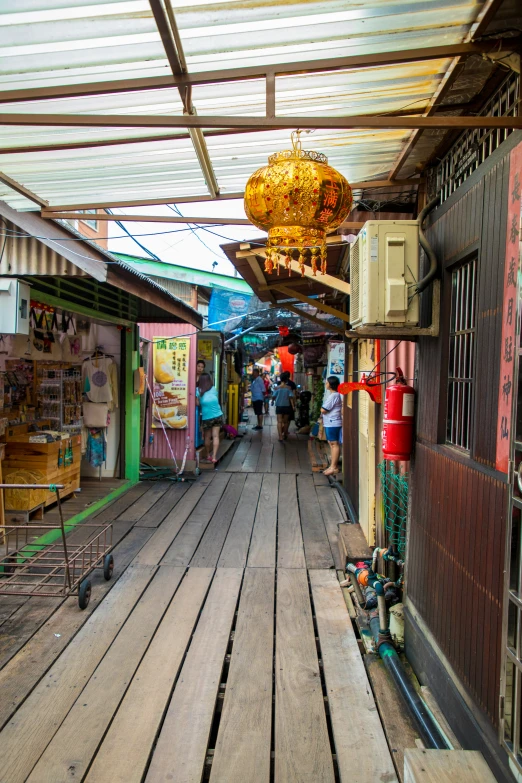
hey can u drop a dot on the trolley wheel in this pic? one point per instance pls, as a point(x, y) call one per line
point(108, 567)
point(84, 594)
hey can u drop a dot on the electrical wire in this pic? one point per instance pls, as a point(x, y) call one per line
point(145, 249)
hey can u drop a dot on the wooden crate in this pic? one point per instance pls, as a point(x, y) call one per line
point(26, 517)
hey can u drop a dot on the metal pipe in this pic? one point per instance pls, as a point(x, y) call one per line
point(432, 272)
point(347, 503)
point(427, 728)
point(381, 606)
point(357, 590)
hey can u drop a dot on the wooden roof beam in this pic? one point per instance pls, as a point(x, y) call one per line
point(317, 303)
point(302, 314)
point(22, 190)
point(204, 221)
point(257, 123)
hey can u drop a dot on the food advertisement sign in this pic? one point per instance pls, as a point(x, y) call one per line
point(205, 350)
point(336, 353)
point(170, 366)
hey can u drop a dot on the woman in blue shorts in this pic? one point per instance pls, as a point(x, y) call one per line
point(332, 422)
point(284, 402)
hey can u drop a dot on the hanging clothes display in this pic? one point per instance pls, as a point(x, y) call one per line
point(96, 453)
point(100, 380)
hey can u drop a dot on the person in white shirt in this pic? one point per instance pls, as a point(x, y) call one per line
point(332, 422)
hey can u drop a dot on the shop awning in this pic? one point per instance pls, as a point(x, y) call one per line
point(39, 249)
point(323, 293)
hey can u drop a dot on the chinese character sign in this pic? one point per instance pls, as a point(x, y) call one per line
point(170, 392)
point(508, 344)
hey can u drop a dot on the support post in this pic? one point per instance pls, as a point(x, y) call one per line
point(131, 406)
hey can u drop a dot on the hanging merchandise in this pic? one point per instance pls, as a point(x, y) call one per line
point(299, 199)
point(96, 453)
point(100, 378)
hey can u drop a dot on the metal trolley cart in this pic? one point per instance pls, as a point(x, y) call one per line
point(58, 569)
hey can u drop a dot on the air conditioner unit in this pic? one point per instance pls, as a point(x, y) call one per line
point(15, 298)
point(384, 267)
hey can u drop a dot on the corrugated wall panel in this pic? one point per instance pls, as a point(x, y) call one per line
point(159, 449)
point(455, 564)
point(25, 255)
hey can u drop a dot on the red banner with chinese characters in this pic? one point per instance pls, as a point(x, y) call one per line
point(509, 311)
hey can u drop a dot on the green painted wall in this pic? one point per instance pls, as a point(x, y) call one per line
point(131, 407)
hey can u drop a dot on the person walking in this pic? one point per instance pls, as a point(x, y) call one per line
point(331, 409)
point(257, 390)
point(211, 415)
point(268, 391)
point(284, 402)
point(290, 383)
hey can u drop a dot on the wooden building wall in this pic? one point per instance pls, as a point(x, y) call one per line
point(458, 501)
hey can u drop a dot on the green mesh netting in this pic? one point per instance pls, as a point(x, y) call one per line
point(394, 489)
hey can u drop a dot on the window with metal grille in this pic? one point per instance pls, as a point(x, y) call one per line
point(461, 355)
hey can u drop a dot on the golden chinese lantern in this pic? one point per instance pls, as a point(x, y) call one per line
point(298, 199)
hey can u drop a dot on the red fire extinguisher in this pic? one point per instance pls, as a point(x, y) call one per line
point(397, 429)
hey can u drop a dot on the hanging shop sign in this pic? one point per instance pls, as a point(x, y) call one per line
point(205, 350)
point(222, 308)
point(170, 368)
point(336, 352)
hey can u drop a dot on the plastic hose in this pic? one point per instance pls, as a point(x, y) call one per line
point(432, 272)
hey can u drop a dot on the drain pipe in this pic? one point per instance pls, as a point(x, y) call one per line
point(347, 503)
point(432, 258)
point(426, 726)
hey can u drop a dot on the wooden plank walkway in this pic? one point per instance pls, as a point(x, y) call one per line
point(222, 650)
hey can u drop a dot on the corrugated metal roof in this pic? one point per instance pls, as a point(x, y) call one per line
point(185, 274)
point(64, 42)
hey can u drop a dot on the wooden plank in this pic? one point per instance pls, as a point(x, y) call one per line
point(290, 552)
point(400, 730)
point(242, 752)
point(361, 748)
point(302, 745)
point(158, 544)
point(185, 544)
point(145, 502)
point(113, 510)
point(182, 744)
point(252, 458)
point(443, 766)
point(235, 550)
point(291, 458)
point(70, 751)
point(209, 549)
point(21, 674)
point(320, 480)
point(317, 547)
point(155, 516)
point(125, 750)
point(332, 518)
point(352, 544)
point(305, 465)
point(262, 552)
point(279, 458)
point(236, 463)
point(264, 462)
point(27, 734)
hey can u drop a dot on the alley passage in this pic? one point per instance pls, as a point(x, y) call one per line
point(221, 650)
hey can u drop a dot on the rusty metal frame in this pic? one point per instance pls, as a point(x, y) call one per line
point(366, 185)
point(22, 190)
point(361, 121)
point(317, 303)
point(206, 221)
point(484, 18)
point(268, 72)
